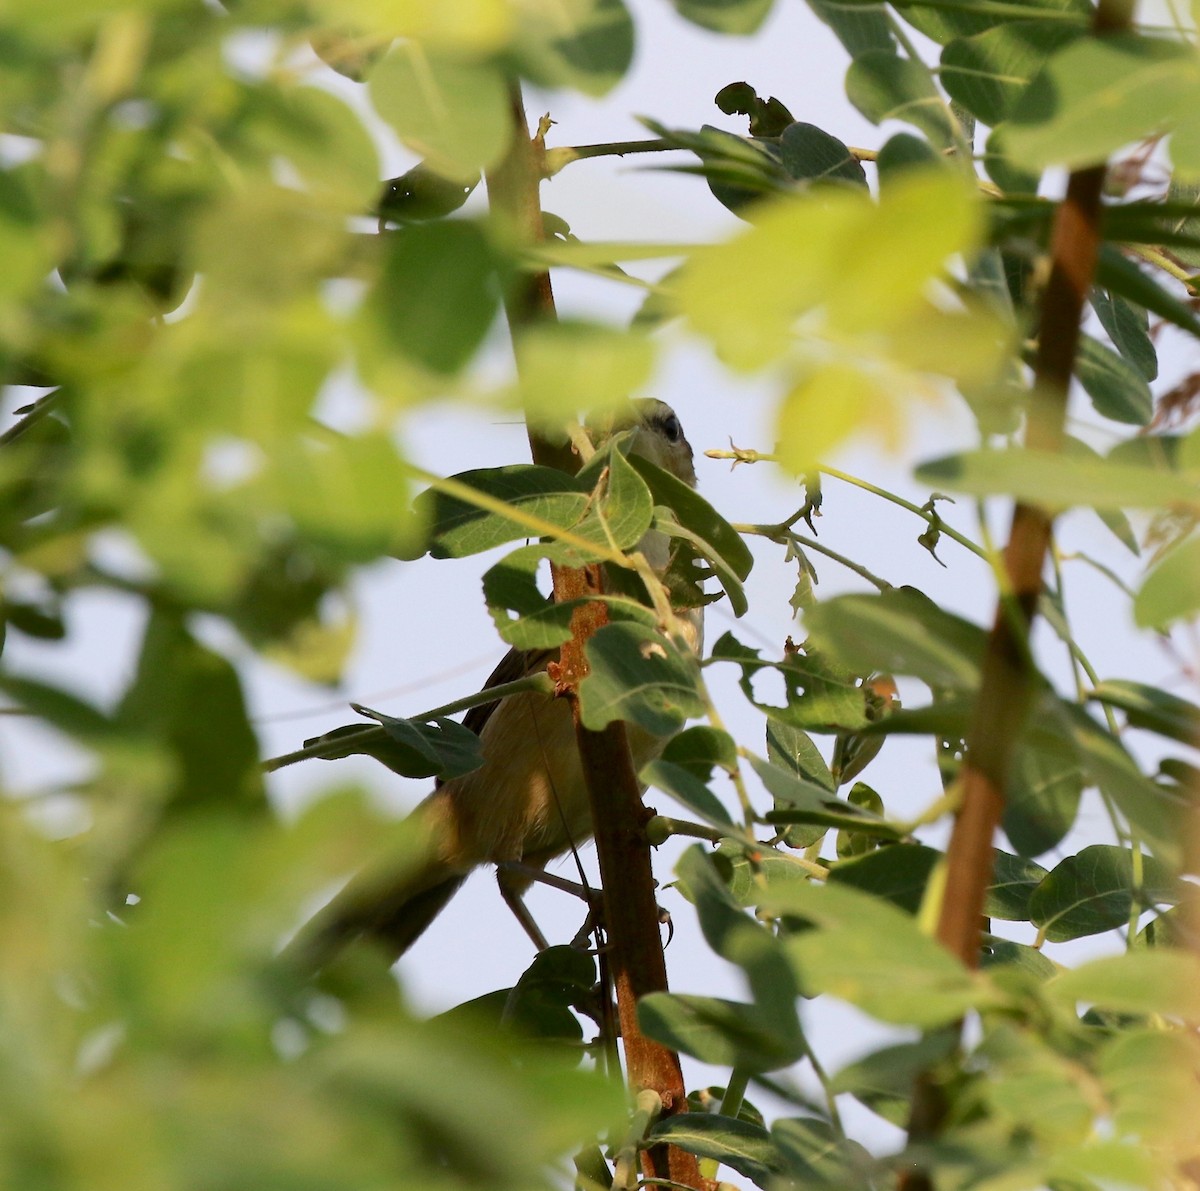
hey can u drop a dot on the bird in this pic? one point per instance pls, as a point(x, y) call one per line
point(527, 803)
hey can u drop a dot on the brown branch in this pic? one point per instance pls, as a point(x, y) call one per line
point(635, 955)
point(1007, 683)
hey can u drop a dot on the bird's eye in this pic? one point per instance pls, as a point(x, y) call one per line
point(671, 428)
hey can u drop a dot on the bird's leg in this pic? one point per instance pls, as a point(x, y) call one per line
point(511, 885)
point(522, 874)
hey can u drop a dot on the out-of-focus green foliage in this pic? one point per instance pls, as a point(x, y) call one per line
point(198, 245)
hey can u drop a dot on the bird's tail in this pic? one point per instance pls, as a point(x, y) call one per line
point(388, 912)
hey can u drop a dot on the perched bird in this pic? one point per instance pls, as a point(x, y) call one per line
point(526, 804)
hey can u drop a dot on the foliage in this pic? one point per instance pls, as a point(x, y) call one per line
point(187, 270)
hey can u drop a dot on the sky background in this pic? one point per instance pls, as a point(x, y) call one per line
point(425, 637)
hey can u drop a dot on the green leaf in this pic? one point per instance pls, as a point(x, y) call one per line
point(1155, 812)
point(622, 514)
point(412, 748)
point(1151, 708)
point(988, 72)
point(900, 631)
point(741, 940)
point(809, 154)
point(738, 1144)
point(1094, 890)
point(723, 1033)
point(1119, 275)
point(1128, 327)
point(459, 528)
point(793, 749)
point(1014, 878)
point(798, 801)
point(740, 17)
point(1056, 481)
point(1097, 94)
point(884, 86)
point(687, 789)
point(637, 674)
point(700, 749)
point(720, 541)
point(1004, 953)
point(884, 1079)
point(898, 874)
point(1117, 388)
point(1171, 591)
point(586, 45)
point(437, 294)
point(452, 112)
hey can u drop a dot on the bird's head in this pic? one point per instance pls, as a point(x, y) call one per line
point(657, 435)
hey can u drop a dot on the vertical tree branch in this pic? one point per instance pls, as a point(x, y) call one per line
point(1007, 684)
point(618, 815)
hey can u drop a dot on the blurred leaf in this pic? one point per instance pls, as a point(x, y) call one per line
point(884, 1080)
point(1151, 708)
point(1117, 389)
point(859, 27)
point(190, 698)
point(604, 364)
point(875, 956)
point(724, 1033)
point(1014, 878)
point(1150, 1076)
point(818, 1155)
point(884, 86)
point(422, 193)
point(586, 45)
point(1171, 591)
point(437, 294)
point(1094, 890)
point(897, 874)
point(1056, 481)
point(1127, 326)
point(1043, 795)
point(452, 112)
point(1097, 94)
point(1119, 275)
point(900, 631)
point(739, 17)
point(1143, 982)
point(809, 154)
point(638, 675)
point(988, 72)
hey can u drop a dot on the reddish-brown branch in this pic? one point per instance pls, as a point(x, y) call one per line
point(1007, 683)
point(635, 955)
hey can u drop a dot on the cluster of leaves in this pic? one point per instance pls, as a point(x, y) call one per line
point(186, 275)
